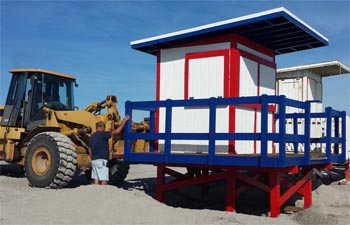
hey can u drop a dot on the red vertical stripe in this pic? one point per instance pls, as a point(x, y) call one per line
point(226, 74)
point(186, 78)
point(234, 92)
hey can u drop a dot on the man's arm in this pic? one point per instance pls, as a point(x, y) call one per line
point(120, 128)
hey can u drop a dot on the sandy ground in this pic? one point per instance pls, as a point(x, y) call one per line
point(134, 203)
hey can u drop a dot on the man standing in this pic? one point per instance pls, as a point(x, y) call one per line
point(99, 151)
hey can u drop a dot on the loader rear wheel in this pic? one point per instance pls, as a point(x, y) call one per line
point(50, 160)
point(118, 170)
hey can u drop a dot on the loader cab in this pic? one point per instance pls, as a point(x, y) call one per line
point(32, 89)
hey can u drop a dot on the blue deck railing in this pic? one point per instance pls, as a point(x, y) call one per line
point(333, 141)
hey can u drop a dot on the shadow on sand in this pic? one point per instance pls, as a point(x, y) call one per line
point(211, 196)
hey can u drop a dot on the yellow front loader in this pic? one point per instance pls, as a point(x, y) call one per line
point(44, 132)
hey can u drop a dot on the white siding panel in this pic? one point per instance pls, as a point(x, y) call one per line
point(248, 80)
point(172, 80)
point(161, 129)
point(173, 66)
point(244, 124)
point(161, 117)
point(196, 120)
point(206, 77)
point(315, 93)
point(291, 88)
point(304, 86)
point(191, 120)
point(270, 124)
point(254, 52)
point(222, 122)
point(267, 80)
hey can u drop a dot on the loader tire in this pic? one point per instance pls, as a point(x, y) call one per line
point(118, 170)
point(50, 160)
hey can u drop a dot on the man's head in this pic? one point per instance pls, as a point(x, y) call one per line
point(100, 126)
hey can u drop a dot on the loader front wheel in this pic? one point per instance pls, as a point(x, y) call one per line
point(118, 170)
point(50, 160)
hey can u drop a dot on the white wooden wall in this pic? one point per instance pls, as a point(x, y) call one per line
point(206, 79)
point(255, 79)
point(192, 120)
point(173, 66)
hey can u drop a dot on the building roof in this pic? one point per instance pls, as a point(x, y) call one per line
point(323, 69)
point(277, 29)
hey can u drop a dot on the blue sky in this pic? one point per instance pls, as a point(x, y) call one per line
point(91, 40)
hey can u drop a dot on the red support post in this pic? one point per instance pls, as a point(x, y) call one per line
point(274, 193)
point(160, 182)
point(230, 190)
point(307, 192)
point(306, 189)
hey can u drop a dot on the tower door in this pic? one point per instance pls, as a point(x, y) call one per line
point(206, 76)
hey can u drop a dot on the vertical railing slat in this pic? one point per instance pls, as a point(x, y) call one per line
point(127, 131)
point(264, 130)
point(152, 129)
point(328, 133)
point(307, 132)
point(282, 128)
point(212, 130)
point(168, 118)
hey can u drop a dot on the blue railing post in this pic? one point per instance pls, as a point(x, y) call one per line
point(307, 131)
point(127, 131)
point(282, 128)
point(152, 128)
point(343, 135)
point(168, 118)
point(336, 134)
point(328, 138)
point(212, 130)
point(264, 130)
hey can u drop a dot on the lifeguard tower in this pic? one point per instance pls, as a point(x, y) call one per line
point(217, 113)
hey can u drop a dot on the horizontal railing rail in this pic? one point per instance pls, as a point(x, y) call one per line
point(334, 139)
